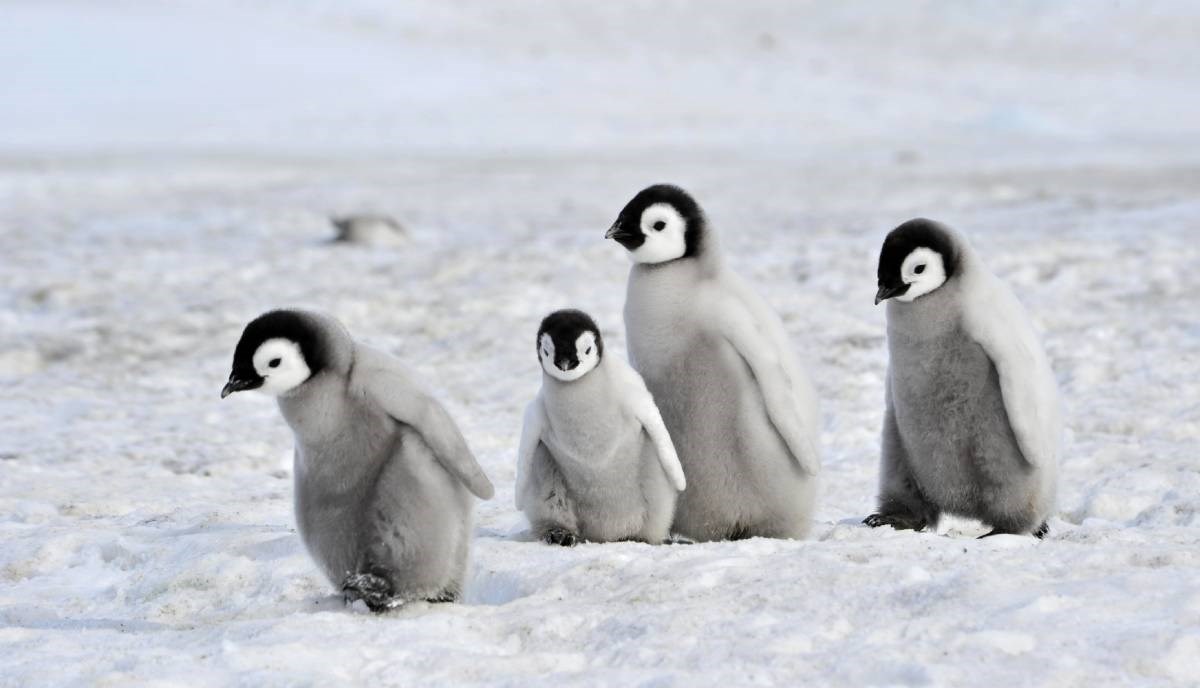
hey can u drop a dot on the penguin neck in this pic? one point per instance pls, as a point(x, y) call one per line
point(705, 264)
point(659, 300)
point(334, 347)
point(586, 402)
point(584, 419)
point(931, 316)
point(314, 409)
point(559, 392)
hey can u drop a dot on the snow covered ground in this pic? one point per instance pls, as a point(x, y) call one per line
point(167, 172)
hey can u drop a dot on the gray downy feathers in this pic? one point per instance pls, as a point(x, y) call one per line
point(741, 411)
point(972, 422)
point(595, 461)
point(383, 477)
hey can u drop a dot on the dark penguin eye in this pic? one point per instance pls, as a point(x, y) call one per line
point(274, 362)
point(660, 226)
point(919, 269)
point(589, 351)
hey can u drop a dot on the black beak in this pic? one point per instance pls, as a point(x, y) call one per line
point(885, 292)
point(618, 232)
point(630, 240)
point(237, 385)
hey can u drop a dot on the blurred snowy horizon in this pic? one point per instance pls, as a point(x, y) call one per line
point(831, 83)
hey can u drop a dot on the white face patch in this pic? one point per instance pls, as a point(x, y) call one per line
point(664, 228)
point(586, 352)
point(924, 271)
point(281, 364)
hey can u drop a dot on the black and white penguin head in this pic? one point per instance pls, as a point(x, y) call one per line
point(661, 223)
point(569, 345)
point(278, 352)
point(917, 258)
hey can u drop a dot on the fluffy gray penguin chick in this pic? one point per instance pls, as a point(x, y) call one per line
point(972, 424)
point(383, 477)
point(741, 411)
point(595, 460)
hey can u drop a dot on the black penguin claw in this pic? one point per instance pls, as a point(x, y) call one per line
point(561, 536)
point(677, 539)
point(374, 590)
point(896, 521)
point(1039, 532)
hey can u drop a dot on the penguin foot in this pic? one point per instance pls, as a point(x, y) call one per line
point(1039, 532)
point(896, 521)
point(739, 532)
point(446, 596)
point(374, 590)
point(560, 536)
point(677, 539)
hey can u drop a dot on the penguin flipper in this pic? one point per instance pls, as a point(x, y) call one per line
point(764, 352)
point(998, 323)
point(406, 403)
point(641, 404)
point(531, 435)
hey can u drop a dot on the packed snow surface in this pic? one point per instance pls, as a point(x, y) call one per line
point(168, 171)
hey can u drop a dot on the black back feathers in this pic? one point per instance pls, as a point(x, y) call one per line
point(911, 235)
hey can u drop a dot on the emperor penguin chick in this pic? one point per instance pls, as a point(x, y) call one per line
point(971, 424)
point(741, 411)
point(383, 476)
point(595, 461)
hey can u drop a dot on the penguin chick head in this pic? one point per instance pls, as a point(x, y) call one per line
point(569, 345)
point(917, 257)
point(278, 352)
point(661, 223)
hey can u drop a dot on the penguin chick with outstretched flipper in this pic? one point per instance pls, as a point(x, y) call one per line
point(972, 424)
point(741, 411)
point(595, 461)
point(383, 476)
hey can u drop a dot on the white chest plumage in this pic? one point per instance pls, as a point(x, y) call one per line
point(586, 422)
point(660, 313)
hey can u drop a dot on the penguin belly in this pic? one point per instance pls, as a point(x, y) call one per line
point(606, 490)
point(955, 430)
point(600, 450)
point(740, 473)
point(333, 480)
point(418, 521)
